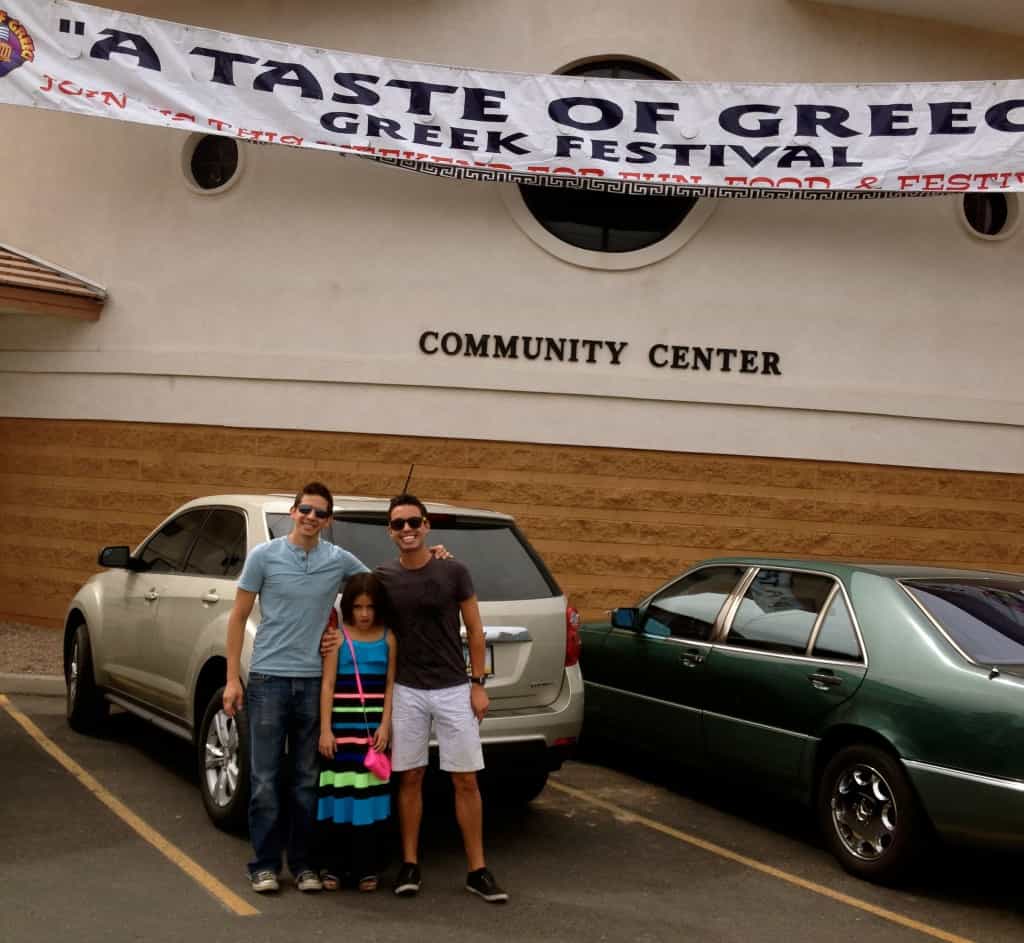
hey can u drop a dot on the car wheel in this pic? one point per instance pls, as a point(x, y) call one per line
point(86, 707)
point(870, 815)
point(517, 790)
point(223, 754)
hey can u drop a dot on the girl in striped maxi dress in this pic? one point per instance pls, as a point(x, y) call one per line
point(352, 803)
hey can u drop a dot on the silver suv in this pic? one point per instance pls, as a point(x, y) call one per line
point(148, 635)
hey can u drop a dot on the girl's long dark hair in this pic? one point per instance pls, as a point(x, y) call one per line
point(366, 583)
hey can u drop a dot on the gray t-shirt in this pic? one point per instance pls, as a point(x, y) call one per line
point(425, 612)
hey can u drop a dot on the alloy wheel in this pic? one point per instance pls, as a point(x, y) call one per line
point(73, 672)
point(864, 812)
point(221, 759)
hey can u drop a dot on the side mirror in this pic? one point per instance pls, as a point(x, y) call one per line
point(115, 557)
point(626, 618)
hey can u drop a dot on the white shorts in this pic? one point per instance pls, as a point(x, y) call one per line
point(458, 730)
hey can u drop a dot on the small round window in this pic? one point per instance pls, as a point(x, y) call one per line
point(211, 162)
point(990, 215)
point(607, 222)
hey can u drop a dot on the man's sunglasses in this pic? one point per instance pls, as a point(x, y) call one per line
point(320, 513)
point(398, 523)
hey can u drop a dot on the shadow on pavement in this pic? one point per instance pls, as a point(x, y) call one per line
point(972, 876)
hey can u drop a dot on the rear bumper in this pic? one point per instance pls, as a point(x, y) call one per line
point(970, 807)
point(525, 758)
point(534, 739)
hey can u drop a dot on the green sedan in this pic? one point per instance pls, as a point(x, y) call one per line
point(888, 698)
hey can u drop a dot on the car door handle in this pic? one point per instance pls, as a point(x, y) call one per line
point(691, 658)
point(823, 680)
point(211, 596)
point(151, 596)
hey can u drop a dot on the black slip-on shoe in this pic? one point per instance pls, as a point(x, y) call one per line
point(407, 883)
point(481, 882)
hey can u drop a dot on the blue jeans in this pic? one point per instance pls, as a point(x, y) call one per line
point(282, 710)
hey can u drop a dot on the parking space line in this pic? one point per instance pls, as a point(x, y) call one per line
point(891, 915)
point(199, 874)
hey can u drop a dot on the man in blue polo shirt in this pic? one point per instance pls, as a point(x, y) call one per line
point(296, 578)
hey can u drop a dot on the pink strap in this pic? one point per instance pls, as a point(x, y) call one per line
point(355, 664)
point(359, 683)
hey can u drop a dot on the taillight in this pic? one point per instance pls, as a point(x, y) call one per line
point(572, 637)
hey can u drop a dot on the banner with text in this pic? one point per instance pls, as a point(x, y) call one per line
point(658, 137)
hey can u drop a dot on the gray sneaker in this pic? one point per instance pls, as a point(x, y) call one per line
point(308, 881)
point(263, 882)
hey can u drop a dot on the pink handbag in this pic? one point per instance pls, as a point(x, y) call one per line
point(376, 762)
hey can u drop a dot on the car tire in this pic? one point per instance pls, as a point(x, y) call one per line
point(86, 707)
point(222, 752)
point(870, 815)
point(517, 790)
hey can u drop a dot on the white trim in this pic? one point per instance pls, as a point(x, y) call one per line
point(1014, 785)
point(421, 372)
point(1012, 218)
point(518, 417)
point(750, 723)
point(189, 148)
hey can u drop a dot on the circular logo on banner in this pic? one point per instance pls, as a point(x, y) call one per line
point(16, 45)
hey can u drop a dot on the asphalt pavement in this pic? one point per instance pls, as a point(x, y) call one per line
point(609, 852)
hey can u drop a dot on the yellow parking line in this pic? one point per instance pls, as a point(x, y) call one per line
point(227, 897)
point(756, 865)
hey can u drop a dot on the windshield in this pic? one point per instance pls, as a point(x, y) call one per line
point(500, 561)
point(984, 617)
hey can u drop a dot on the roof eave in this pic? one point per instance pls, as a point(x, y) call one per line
point(29, 301)
point(34, 286)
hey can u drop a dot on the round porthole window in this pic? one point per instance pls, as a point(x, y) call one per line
point(607, 230)
point(990, 215)
point(605, 222)
point(211, 163)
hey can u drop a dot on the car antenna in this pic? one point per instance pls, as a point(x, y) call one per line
point(408, 478)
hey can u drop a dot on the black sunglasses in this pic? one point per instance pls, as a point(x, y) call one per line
point(320, 513)
point(398, 523)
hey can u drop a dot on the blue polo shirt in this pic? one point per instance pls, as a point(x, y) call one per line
point(296, 590)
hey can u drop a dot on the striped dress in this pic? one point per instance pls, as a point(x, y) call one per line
point(350, 794)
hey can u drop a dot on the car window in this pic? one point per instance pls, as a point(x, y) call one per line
point(219, 549)
point(689, 607)
point(837, 638)
point(501, 562)
point(165, 551)
point(984, 617)
point(778, 611)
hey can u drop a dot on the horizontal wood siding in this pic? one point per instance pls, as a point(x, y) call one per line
point(612, 524)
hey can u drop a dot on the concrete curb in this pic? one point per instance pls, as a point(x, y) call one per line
point(48, 685)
